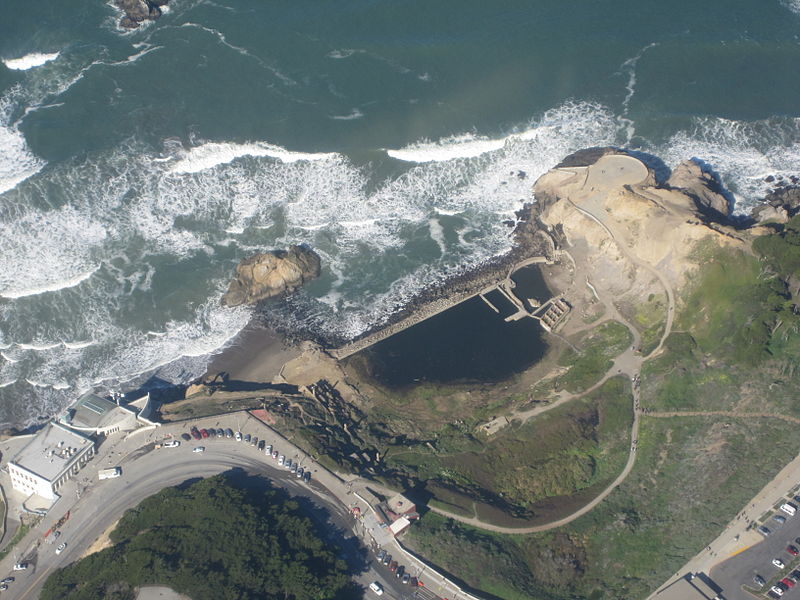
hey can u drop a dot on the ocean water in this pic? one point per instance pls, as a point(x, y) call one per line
point(137, 168)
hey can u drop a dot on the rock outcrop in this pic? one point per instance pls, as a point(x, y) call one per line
point(701, 186)
point(271, 274)
point(138, 11)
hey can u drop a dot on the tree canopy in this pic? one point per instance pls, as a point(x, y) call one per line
point(210, 540)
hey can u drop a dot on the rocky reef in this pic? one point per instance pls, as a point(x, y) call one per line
point(138, 11)
point(270, 274)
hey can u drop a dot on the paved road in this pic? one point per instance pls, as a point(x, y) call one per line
point(103, 503)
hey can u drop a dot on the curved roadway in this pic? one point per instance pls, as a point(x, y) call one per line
point(147, 472)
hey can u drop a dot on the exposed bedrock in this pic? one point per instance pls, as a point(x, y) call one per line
point(271, 274)
point(138, 11)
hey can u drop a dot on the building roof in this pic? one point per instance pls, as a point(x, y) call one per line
point(687, 588)
point(399, 504)
point(51, 451)
point(91, 412)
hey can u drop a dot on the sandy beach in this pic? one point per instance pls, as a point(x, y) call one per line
point(256, 355)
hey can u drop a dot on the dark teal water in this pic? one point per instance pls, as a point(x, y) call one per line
point(137, 168)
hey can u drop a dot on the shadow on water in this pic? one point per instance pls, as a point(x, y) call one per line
point(468, 342)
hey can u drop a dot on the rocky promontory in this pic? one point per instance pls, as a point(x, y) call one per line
point(138, 11)
point(270, 274)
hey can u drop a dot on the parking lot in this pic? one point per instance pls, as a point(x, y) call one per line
point(736, 576)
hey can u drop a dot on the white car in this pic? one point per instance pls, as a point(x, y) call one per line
point(20, 566)
point(377, 588)
point(778, 563)
point(172, 444)
point(61, 548)
point(776, 590)
point(199, 449)
point(238, 436)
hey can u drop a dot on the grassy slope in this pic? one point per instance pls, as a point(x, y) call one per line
point(735, 347)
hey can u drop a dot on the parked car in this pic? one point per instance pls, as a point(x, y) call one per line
point(61, 548)
point(782, 586)
point(787, 582)
point(789, 508)
point(776, 591)
point(195, 433)
point(229, 433)
point(300, 473)
point(261, 445)
point(238, 436)
point(376, 587)
point(172, 444)
point(413, 582)
point(204, 433)
point(792, 550)
point(20, 566)
point(199, 449)
point(765, 531)
point(307, 476)
point(406, 579)
point(381, 554)
point(185, 437)
point(293, 468)
point(3, 587)
point(268, 449)
point(281, 459)
point(254, 441)
point(220, 432)
point(779, 519)
point(247, 438)
point(8, 580)
point(778, 563)
point(275, 454)
point(387, 559)
point(393, 566)
point(400, 571)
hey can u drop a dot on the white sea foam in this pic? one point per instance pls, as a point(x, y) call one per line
point(8, 383)
point(437, 234)
point(743, 154)
point(54, 286)
point(17, 162)
point(461, 146)
point(351, 116)
point(792, 5)
point(629, 67)
point(39, 347)
point(29, 61)
point(211, 154)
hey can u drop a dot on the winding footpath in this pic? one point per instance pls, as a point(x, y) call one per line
point(629, 362)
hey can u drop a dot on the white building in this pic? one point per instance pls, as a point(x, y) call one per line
point(54, 455)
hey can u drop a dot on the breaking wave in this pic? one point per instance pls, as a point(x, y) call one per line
point(29, 61)
point(211, 154)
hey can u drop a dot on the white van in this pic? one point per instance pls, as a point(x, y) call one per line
point(789, 508)
point(109, 473)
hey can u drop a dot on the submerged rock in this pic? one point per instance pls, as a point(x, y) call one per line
point(702, 186)
point(271, 274)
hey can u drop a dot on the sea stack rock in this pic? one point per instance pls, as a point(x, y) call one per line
point(138, 11)
point(703, 187)
point(271, 274)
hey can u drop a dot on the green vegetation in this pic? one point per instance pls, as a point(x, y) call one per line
point(21, 533)
point(692, 476)
point(210, 540)
point(565, 450)
point(595, 356)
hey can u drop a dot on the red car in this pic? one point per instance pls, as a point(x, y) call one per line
point(195, 433)
point(204, 433)
point(393, 566)
point(787, 582)
point(792, 550)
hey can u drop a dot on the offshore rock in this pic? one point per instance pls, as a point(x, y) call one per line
point(137, 11)
point(271, 274)
point(786, 197)
point(702, 186)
